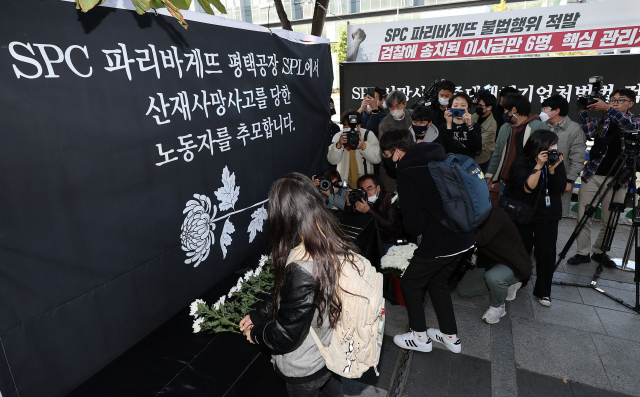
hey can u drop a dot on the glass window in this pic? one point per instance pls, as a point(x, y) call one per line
point(365, 5)
point(372, 20)
point(534, 4)
point(388, 18)
point(384, 4)
point(405, 17)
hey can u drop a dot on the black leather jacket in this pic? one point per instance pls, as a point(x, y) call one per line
point(286, 332)
point(387, 217)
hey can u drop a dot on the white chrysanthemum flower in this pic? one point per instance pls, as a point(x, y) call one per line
point(257, 271)
point(248, 275)
point(216, 306)
point(221, 300)
point(194, 306)
point(263, 260)
point(196, 325)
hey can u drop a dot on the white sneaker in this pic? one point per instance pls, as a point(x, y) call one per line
point(438, 336)
point(511, 291)
point(493, 315)
point(411, 341)
point(546, 301)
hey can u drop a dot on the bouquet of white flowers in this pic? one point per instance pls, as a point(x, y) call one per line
point(397, 259)
point(226, 313)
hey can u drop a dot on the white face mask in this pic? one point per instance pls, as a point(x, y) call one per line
point(555, 147)
point(384, 105)
point(397, 114)
point(544, 117)
point(369, 108)
point(372, 199)
point(443, 101)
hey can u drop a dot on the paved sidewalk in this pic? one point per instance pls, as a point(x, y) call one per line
point(585, 344)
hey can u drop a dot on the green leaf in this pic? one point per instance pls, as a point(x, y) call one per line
point(205, 6)
point(142, 6)
point(181, 4)
point(86, 5)
point(217, 4)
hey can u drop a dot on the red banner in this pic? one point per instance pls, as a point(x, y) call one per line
point(580, 40)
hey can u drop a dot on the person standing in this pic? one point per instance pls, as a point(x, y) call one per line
point(440, 251)
point(399, 117)
point(459, 134)
point(532, 180)
point(487, 122)
point(571, 142)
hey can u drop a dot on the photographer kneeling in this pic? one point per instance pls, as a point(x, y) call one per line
point(326, 183)
point(606, 147)
point(503, 263)
point(537, 179)
point(383, 207)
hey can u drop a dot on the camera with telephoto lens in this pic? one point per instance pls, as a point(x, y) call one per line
point(597, 82)
point(553, 156)
point(325, 183)
point(468, 261)
point(430, 97)
point(475, 96)
point(356, 195)
point(353, 136)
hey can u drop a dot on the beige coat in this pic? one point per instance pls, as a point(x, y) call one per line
point(489, 127)
point(340, 157)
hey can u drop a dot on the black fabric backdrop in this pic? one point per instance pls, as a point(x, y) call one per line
point(91, 258)
point(535, 77)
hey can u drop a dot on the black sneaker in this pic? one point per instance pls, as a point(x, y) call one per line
point(578, 259)
point(607, 261)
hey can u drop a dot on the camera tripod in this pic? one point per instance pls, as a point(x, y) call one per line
point(623, 175)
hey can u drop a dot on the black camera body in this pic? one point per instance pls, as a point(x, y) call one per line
point(430, 97)
point(553, 156)
point(475, 96)
point(326, 184)
point(353, 136)
point(597, 82)
point(356, 195)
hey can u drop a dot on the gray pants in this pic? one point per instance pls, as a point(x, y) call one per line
point(495, 282)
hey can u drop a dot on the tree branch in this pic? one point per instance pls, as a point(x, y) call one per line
point(319, 15)
point(284, 20)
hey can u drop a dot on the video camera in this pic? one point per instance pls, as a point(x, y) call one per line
point(356, 195)
point(430, 97)
point(353, 136)
point(326, 184)
point(597, 82)
point(475, 96)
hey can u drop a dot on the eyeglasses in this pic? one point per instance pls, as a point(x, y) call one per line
point(619, 101)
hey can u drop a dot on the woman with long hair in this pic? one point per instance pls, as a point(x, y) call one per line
point(309, 251)
point(535, 181)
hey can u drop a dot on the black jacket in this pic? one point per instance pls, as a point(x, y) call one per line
point(387, 217)
point(420, 200)
point(460, 140)
point(286, 332)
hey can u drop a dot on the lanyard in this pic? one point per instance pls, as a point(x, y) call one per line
point(544, 172)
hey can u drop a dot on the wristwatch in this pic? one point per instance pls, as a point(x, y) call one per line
point(375, 111)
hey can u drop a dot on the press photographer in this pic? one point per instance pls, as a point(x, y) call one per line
point(331, 185)
point(373, 108)
point(459, 134)
point(608, 136)
point(354, 150)
point(532, 199)
point(384, 207)
point(446, 89)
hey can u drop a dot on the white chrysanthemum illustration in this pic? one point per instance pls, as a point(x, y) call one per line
point(259, 216)
point(197, 230)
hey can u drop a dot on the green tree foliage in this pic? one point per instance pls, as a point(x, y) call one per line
point(173, 6)
point(340, 48)
point(501, 7)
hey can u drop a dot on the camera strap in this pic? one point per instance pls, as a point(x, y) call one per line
point(364, 160)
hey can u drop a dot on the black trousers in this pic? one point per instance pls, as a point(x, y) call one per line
point(543, 236)
point(434, 273)
point(329, 385)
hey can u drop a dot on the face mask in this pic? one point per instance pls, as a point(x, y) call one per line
point(480, 111)
point(443, 101)
point(390, 163)
point(372, 199)
point(397, 114)
point(555, 147)
point(369, 108)
point(332, 111)
point(384, 105)
point(420, 129)
point(544, 117)
point(506, 117)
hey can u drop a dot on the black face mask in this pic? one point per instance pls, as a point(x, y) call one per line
point(420, 129)
point(390, 163)
point(333, 111)
point(479, 111)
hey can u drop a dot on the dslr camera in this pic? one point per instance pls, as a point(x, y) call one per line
point(430, 97)
point(326, 184)
point(553, 156)
point(356, 195)
point(475, 96)
point(597, 82)
point(353, 136)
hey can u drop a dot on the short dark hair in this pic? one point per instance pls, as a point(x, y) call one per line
point(447, 86)
point(382, 92)
point(364, 177)
point(396, 95)
point(539, 141)
point(488, 99)
point(463, 96)
point(625, 92)
point(330, 100)
point(557, 102)
point(344, 117)
point(333, 174)
point(508, 90)
point(422, 113)
point(518, 101)
point(396, 138)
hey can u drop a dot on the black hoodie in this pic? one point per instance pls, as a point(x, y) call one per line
point(417, 191)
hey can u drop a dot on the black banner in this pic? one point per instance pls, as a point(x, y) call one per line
point(536, 78)
point(135, 162)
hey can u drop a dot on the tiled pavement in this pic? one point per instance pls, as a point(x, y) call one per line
point(585, 344)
